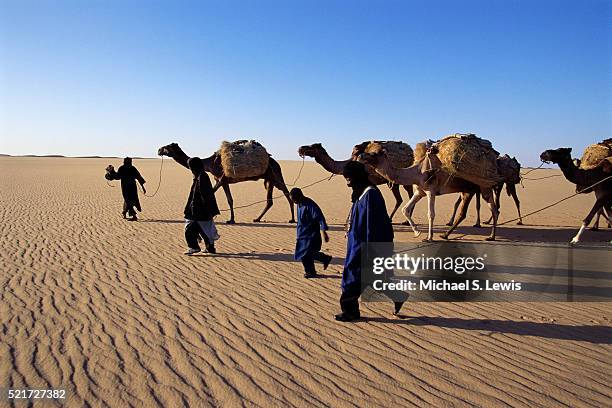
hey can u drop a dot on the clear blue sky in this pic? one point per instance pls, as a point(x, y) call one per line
point(124, 77)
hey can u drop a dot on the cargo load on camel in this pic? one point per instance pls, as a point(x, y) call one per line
point(595, 153)
point(466, 156)
point(243, 159)
point(400, 154)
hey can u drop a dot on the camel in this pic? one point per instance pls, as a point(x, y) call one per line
point(510, 169)
point(273, 177)
point(431, 180)
point(318, 152)
point(600, 213)
point(584, 179)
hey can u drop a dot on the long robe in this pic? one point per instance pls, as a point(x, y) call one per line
point(369, 222)
point(201, 204)
point(310, 220)
point(128, 175)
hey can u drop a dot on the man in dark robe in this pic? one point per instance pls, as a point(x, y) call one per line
point(310, 220)
point(128, 174)
point(368, 222)
point(200, 210)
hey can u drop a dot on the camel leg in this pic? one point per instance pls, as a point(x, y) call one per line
point(269, 202)
point(489, 196)
point(599, 204)
point(465, 203)
point(477, 224)
point(452, 218)
point(512, 190)
point(230, 201)
point(595, 226)
point(431, 215)
point(408, 208)
point(498, 190)
point(410, 191)
point(282, 187)
point(608, 215)
point(218, 183)
point(395, 189)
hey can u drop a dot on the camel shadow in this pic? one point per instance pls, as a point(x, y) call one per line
point(591, 334)
point(518, 233)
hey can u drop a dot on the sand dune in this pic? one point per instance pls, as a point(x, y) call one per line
point(113, 312)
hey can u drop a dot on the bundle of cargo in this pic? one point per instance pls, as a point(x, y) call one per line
point(595, 153)
point(420, 150)
point(468, 157)
point(400, 154)
point(509, 168)
point(243, 159)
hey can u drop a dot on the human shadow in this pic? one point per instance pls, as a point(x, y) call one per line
point(267, 224)
point(592, 334)
point(279, 256)
point(164, 221)
point(263, 224)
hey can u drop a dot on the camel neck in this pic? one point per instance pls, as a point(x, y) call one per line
point(329, 164)
point(404, 176)
point(572, 173)
point(181, 158)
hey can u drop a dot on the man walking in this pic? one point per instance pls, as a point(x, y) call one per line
point(128, 175)
point(200, 210)
point(310, 220)
point(368, 222)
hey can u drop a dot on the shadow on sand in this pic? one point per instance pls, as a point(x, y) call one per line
point(263, 224)
point(517, 233)
point(591, 334)
point(282, 257)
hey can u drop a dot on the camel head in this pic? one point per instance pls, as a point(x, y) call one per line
point(312, 150)
point(170, 150)
point(557, 155)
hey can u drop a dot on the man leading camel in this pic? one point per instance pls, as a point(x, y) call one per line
point(128, 174)
point(200, 210)
point(368, 223)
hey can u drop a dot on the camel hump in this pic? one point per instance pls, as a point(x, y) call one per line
point(243, 159)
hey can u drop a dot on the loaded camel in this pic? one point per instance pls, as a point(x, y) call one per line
point(273, 177)
point(318, 152)
point(583, 180)
point(510, 170)
point(595, 227)
point(431, 180)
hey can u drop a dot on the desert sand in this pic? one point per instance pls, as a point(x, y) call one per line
point(114, 313)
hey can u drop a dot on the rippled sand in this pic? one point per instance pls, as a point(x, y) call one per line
point(113, 312)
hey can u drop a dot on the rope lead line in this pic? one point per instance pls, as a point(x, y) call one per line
point(558, 202)
point(161, 166)
point(278, 196)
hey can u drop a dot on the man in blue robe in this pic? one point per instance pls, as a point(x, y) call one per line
point(368, 222)
point(310, 220)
